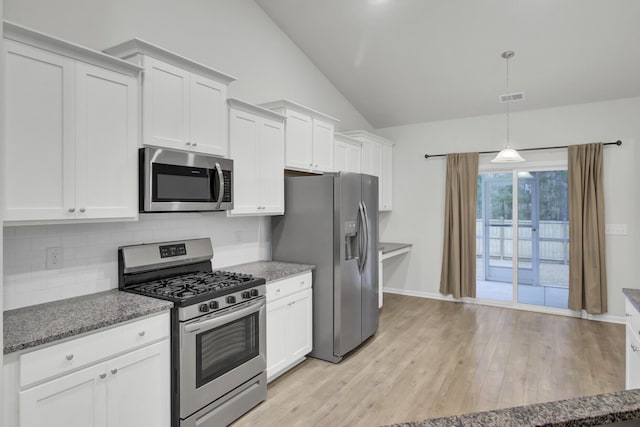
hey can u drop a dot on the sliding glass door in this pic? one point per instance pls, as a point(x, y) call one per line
point(522, 237)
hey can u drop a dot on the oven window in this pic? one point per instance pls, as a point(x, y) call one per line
point(222, 349)
point(180, 184)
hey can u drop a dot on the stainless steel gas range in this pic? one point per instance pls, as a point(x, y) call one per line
point(218, 328)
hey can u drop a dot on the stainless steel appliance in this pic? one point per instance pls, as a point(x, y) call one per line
point(218, 328)
point(173, 181)
point(332, 221)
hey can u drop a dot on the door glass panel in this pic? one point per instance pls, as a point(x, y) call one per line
point(222, 349)
point(543, 238)
point(494, 236)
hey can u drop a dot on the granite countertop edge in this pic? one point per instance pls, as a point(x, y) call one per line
point(633, 295)
point(581, 411)
point(271, 271)
point(67, 325)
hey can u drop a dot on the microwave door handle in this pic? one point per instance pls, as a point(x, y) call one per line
point(225, 317)
point(220, 186)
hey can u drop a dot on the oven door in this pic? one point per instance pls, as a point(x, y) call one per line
point(182, 181)
point(220, 352)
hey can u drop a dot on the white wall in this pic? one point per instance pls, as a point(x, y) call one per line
point(418, 183)
point(234, 36)
point(89, 251)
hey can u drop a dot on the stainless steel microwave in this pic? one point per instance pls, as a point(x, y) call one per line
point(182, 181)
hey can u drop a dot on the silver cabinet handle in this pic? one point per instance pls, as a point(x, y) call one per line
point(114, 371)
point(82, 209)
point(103, 376)
point(634, 348)
point(141, 333)
point(69, 356)
point(72, 210)
point(188, 144)
point(194, 144)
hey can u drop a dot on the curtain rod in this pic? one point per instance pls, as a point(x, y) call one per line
point(618, 143)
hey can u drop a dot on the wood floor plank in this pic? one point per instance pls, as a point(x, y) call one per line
point(434, 358)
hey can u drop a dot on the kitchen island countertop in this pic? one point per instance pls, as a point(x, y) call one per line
point(601, 409)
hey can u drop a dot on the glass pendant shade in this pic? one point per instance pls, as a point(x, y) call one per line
point(508, 155)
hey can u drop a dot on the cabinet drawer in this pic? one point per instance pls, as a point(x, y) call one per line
point(61, 358)
point(288, 286)
point(633, 317)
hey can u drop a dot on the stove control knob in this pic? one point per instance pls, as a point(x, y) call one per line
point(254, 292)
point(246, 295)
point(213, 305)
point(231, 299)
point(203, 308)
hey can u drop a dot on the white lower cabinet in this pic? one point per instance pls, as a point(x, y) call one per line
point(289, 323)
point(632, 345)
point(88, 384)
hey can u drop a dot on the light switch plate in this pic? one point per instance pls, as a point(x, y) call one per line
point(616, 229)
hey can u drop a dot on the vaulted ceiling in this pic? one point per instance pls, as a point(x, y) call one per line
point(408, 61)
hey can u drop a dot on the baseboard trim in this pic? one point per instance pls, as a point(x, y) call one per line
point(536, 309)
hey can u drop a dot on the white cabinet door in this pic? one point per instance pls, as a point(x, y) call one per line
point(74, 400)
point(278, 351)
point(323, 145)
point(271, 168)
point(244, 133)
point(139, 390)
point(299, 134)
point(40, 135)
point(341, 161)
point(353, 159)
point(386, 178)
point(208, 115)
point(166, 105)
point(106, 142)
point(299, 330)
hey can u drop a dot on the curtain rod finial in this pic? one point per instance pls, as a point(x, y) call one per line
point(426, 156)
point(618, 143)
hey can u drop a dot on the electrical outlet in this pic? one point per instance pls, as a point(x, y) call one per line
point(54, 258)
point(616, 229)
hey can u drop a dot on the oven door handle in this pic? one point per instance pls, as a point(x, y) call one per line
point(226, 317)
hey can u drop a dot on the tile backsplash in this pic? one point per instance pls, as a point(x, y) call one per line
point(89, 251)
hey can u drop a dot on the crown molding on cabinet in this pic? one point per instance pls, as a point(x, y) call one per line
point(348, 139)
point(363, 134)
point(252, 108)
point(288, 104)
point(136, 46)
point(19, 33)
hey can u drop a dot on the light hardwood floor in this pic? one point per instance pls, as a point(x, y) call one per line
point(434, 358)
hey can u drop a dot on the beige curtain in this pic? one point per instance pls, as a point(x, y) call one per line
point(458, 276)
point(587, 268)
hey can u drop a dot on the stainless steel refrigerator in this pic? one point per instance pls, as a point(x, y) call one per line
point(331, 221)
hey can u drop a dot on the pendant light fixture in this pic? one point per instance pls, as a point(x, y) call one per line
point(508, 154)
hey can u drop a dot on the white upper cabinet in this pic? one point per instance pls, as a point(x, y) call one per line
point(257, 149)
point(309, 137)
point(377, 160)
point(71, 119)
point(348, 153)
point(184, 102)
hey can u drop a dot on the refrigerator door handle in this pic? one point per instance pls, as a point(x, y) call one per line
point(361, 231)
point(366, 234)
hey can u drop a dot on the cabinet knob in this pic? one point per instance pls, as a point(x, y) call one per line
point(634, 348)
point(141, 333)
point(114, 371)
point(103, 376)
point(188, 144)
point(72, 210)
point(82, 209)
point(627, 314)
point(69, 356)
point(194, 144)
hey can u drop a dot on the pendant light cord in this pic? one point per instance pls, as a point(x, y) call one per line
point(508, 102)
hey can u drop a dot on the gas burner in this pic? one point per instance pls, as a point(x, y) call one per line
point(184, 287)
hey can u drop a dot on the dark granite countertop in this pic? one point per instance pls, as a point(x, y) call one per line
point(271, 270)
point(387, 247)
point(596, 410)
point(44, 323)
point(633, 295)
